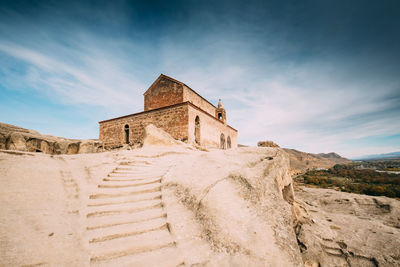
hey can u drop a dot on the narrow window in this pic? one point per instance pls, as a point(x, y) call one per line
point(228, 142)
point(222, 144)
point(197, 130)
point(126, 134)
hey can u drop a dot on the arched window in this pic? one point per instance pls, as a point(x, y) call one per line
point(222, 144)
point(126, 134)
point(220, 116)
point(228, 142)
point(197, 130)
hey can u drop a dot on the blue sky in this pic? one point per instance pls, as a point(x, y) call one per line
point(318, 76)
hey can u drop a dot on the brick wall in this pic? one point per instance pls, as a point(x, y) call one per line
point(173, 120)
point(163, 93)
point(210, 129)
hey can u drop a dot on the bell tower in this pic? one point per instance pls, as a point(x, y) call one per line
point(220, 112)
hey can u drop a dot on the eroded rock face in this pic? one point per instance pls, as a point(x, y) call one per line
point(90, 146)
point(239, 201)
point(343, 229)
point(16, 141)
point(16, 138)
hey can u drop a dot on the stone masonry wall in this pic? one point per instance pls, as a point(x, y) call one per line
point(164, 93)
point(192, 97)
point(210, 129)
point(173, 120)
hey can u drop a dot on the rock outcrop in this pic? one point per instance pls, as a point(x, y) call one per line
point(154, 136)
point(237, 202)
point(21, 139)
point(266, 144)
point(345, 229)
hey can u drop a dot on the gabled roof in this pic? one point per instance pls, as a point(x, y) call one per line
point(162, 76)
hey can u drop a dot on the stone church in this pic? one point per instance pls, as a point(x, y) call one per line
point(177, 109)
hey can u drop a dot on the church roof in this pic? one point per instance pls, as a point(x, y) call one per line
point(163, 76)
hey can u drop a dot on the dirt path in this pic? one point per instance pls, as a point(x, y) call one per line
point(126, 223)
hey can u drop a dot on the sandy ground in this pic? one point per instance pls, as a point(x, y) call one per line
point(154, 206)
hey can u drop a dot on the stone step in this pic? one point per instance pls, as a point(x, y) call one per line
point(136, 175)
point(123, 218)
point(124, 180)
point(126, 189)
point(125, 199)
point(129, 245)
point(138, 205)
point(122, 230)
point(136, 167)
point(120, 192)
point(122, 184)
point(114, 211)
point(166, 256)
point(129, 178)
point(138, 171)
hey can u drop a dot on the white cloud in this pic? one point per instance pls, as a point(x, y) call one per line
point(92, 80)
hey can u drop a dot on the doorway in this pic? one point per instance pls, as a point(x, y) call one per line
point(126, 134)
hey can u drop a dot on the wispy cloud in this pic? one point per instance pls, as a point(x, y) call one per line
point(93, 80)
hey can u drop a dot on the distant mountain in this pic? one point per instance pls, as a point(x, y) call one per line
point(331, 155)
point(392, 155)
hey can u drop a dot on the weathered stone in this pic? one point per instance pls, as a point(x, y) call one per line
point(73, 148)
point(90, 146)
point(3, 141)
point(346, 229)
point(34, 145)
point(61, 147)
point(16, 141)
point(267, 144)
point(17, 138)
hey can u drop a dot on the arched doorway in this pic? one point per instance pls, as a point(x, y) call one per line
point(197, 130)
point(228, 142)
point(126, 134)
point(222, 144)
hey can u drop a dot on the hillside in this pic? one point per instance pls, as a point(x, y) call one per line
point(302, 161)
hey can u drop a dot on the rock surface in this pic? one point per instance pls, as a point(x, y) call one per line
point(344, 229)
point(166, 205)
point(266, 144)
point(154, 136)
point(20, 139)
point(154, 206)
